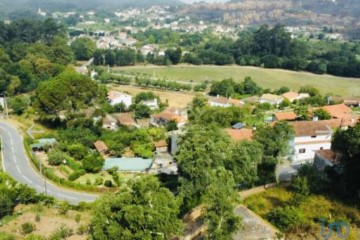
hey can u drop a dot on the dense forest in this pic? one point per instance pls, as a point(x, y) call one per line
point(31, 52)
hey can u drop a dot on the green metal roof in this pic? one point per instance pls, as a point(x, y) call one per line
point(128, 164)
point(47, 141)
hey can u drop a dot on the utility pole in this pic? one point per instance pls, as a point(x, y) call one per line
point(6, 108)
point(41, 173)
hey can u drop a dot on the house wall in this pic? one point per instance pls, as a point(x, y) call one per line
point(161, 149)
point(215, 104)
point(127, 100)
point(310, 145)
point(271, 102)
point(320, 163)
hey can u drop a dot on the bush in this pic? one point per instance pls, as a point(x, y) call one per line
point(27, 228)
point(108, 183)
point(64, 208)
point(57, 157)
point(82, 229)
point(77, 218)
point(287, 218)
point(75, 175)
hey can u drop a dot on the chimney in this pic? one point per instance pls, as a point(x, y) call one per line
point(217, 96)
point(315, 118)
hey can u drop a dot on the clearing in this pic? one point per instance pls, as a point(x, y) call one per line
point(266, 78)
point(175, 99)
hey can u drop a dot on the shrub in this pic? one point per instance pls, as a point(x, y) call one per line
point(99, 181)
point(37, 218)
point(75, 175)
point(64, 208)
point(82, 229)
point(27, 228)
point(287, 218)
point(108, 183)
point(57, 157)
point(77, 218)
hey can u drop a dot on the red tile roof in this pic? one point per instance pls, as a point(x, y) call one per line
point(240, 134)
point(329, 155)
point(310, 128)
point(290, 95)
point(280, 116)
point(339, 110)
point(100, 146)
point(126, 119)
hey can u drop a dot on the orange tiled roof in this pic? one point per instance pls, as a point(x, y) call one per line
point(114, 95)
point(100, 146)
point(240, 134)
point(338, 111)
point(310, 128)
point(290, 95)
point(330, 155)
point(280, 116)
point(126, 119)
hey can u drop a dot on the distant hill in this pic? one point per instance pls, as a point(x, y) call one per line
point(7, 6)
point(339, 14)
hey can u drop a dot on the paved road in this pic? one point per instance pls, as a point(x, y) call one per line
point(17, 164)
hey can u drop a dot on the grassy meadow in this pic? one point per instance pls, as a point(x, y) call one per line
point(266, 78)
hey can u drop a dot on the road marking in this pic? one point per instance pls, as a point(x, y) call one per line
point(61, 195)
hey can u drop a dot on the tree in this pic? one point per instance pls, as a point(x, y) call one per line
point(19, 105)
point(144, 210)
point(275, 143)
point(57, 157)
point(174, 55)
point(322, 114)
point(142, 111)
point(83, 48)
point(93, 163)
point(347, 143)
point(244, 160)
point(312, 91)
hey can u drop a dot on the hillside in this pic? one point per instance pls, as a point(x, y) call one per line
point(8, 6)
point(340, 14)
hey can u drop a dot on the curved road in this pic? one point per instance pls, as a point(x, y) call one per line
point(17, 164)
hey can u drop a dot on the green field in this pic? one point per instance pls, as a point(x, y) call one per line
point(266, 78)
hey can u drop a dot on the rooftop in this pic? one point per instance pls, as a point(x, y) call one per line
point(100, 146)
point(310, 128)
point(280, 116)
point(128, 164)
point(271, 97)
point(338, 111)
point(161, 143)
point(329, 155)
point(290, 95)
point(240, 134)
point(126, 119)
point(115, 94)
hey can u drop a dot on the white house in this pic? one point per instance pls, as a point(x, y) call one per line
point(224, 102)
point(152, 104)
point(272, 99)
point(292, 96)
point(115, 97)
point(309, 136)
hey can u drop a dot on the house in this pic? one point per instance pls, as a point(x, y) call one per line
point(127, 120)
point(239, 125)
point(128, 164)
point(109, 122)
point(224, 102)
point(170, 114)
point(240, 134)
point(101, 147)
point(161, 146)
point(352, 102)
point(82, 70)
point(342, 116)
point(339, 111)
point(284, 116)
point(152, 104)
point(292, 96)
point(326, 158)
point(309, 136)
point(272, 99)
point(43, 143)
point(252, 99)
point(115, 97)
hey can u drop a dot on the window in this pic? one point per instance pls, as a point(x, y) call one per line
point(302, 150)
point(313, 136)
point(321, 148)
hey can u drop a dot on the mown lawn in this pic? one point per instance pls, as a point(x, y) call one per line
point(267, 78)
point(313, 208)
